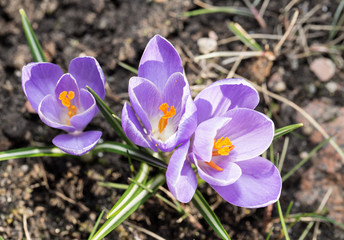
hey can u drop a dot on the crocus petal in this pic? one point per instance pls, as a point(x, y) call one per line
point(87, 72)
point(204, 137)
point(39, 80)
point(183, 124)
point(133, 129)
point(259, 185)
point(175, 93)
point(231, 172)
point(250, 132)
point(224, 95)
point(145, 99)
point(50, 113)
point(88, 110)
point(159, 60)
point(67, 83)
point(77, 144)
point(180, 178)
point(186, 128)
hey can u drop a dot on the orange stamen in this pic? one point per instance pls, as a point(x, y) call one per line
point(167, 114)
point(214, 166)
point(66, 101)
point(221, 147)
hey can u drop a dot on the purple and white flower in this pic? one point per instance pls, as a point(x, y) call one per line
point(225, 148)
point(162, 114)
point(62, 100)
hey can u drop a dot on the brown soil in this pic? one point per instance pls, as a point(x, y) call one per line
point(59, 198)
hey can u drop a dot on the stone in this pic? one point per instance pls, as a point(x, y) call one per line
point(206, 45)
point(323, 68)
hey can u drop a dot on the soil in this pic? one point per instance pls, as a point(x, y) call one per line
point(59, 198)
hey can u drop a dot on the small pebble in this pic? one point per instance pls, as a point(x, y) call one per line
point(206, 45)
point(24, 168)
point(331, 87)
point(323, 68)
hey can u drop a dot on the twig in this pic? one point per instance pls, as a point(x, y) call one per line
point(202, 4)
point(236, 64)
point(302, 112)
point(26, 231)
point(324, 27)
point(256, 14)
point(64, 197)
point(290, 5)
point(286, 34)
point(230, 54)
point(316, 231)
point(263, 8)
point(149, 233)
point(253, 35)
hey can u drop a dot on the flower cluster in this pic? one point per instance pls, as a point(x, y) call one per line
point(62, 100)
point(219, 132)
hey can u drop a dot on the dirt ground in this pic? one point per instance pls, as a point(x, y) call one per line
point(59, 198)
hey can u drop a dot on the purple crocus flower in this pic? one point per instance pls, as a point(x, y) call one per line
point(162, 114)
point(225, 148)
point(62, 100)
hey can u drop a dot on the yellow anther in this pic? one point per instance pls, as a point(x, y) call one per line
point(167, 114)
point(222, 147)
point(66, 101)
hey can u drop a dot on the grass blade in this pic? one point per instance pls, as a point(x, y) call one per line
point(230, 10)
point(287, 129)
point(132, 191)
point(284, 227)
point(297, 166)
point(208, 214)
point(113, 185)
point(96, 225)
point(35, 47)
point(244, 36)
point(128, 67)
point(315, 217)
point(335, 21)
point(130, 207)
point(114, 121)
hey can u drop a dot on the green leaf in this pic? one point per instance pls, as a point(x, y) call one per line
point(128, 67)
point(114, 121)
point(230, 10)
point(244, 36)
point(287, 129)
point(132, 191)
point(113, 147)
point(114, 185)
point(130, 207)
point(35, 47)
point(96, 225)
point(32, 152)
point(284, 226)
point(208, 214)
